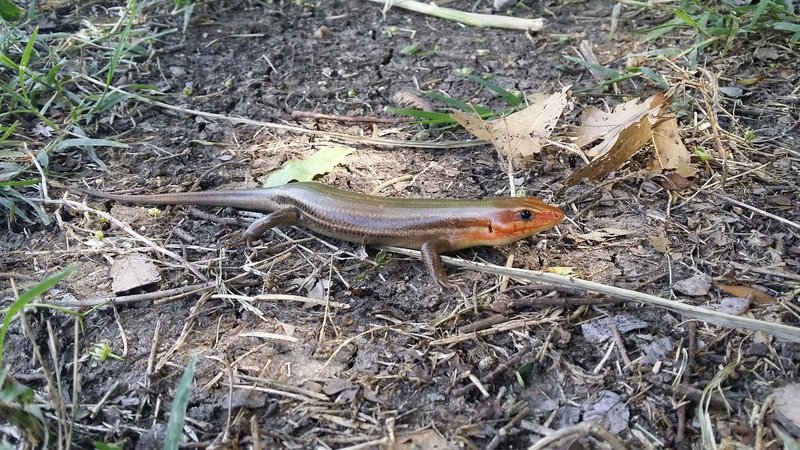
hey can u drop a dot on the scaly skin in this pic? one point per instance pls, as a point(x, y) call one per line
point(433, 226)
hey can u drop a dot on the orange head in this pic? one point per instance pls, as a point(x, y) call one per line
point(511, 219)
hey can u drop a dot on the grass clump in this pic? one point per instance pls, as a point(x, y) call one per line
point(721, 23)
point(54, 88)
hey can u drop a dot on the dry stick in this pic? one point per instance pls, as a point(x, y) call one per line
point(340, 118)
point(96, 410)
point(680, 433)
point(54, 356)
point(483, 324)
point(621, 347)
point(782, 331)
point(55, 393)
point(76, 378)
point(277, 126)
point(281, 297)
point(759, 211)
point(712, 119)
point(772, 271)
point(501, 436)
point(81, 207)
point(468, 18)
point(125, 299)
point(255, 432)
point(151, 359)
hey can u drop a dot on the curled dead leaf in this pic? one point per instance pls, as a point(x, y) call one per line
point(670, 153)
point(761, 298)
point(629, 141)
point(660, 243)
point(522, 134)
point(626, 130)
point(597, 124)
point(675, 182)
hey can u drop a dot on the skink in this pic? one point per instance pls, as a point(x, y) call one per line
point(433, 226)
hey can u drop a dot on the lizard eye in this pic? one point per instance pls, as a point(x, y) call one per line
point(525, 215)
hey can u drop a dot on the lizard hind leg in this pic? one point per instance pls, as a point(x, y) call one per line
point(433, 262)
point(281, 217)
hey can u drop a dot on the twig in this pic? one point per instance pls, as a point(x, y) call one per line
point(340, 118)
point(523, 303)
point(390, 182)
point(151, 359)
point(255, 432)
point(472, 19)
point(620, 346)
point(282, 297)
point(500, 328)
point(759, 211)
point(500, 437)
point(125, 299)
point(483, 324)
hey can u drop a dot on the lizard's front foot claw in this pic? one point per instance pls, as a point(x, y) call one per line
point(236, 238)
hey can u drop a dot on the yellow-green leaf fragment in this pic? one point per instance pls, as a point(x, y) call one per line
point(321, 162)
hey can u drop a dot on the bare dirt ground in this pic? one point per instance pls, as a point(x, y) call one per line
point(387, 362)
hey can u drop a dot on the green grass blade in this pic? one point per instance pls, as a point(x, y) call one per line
point(37, 207)
point(458, 104)
point(27, 297)
point(177, 414)
point(9, 11)
point(13, 211)
point(509, 97)
point(661, 30)
point(762, 6)
point(608, 73)
point(20, 183)
point(689, 20)
point(612, 29)
point(786, 26)
point(420, 114)
point(10, 130)
point(187, 16)
point(23, 63)
point(133, 11)
point(84, 142)
point(655, 77)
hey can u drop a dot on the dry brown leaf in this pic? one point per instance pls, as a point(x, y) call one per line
point(625, 130)
point(759, 297)
point(596, 124)
point(429, 438)
point(133, 271)
point(660, 243)
point(780, 200)
point(630, 141)
point(522, 134)
point(675, 182)
point(670, 152)
point(604, 234)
